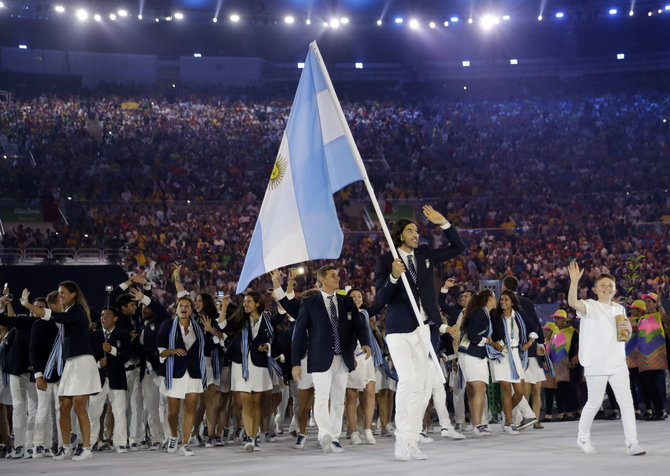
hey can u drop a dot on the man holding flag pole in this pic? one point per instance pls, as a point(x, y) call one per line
point(298, 221)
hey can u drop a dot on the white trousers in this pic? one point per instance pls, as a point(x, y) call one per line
point(96, 405)
point(24, 403)
point(440, 401)
point(411, 361)
point(281, 409)
point(330, 385)
point(135, 407)
point(620, 384)
point(151, 394)
point(522, 410)
point(44, 419)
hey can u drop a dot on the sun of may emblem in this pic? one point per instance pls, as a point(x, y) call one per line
point(277, 172)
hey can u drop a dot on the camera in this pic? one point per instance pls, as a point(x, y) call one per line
point(10, 297)
point(109, 288)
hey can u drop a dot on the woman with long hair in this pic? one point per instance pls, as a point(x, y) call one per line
point(250, 372)
point(73, 359)
point(473, 353)
point(181, 347)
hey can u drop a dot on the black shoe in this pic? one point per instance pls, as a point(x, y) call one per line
point(600, 415)
point(614, 416)
point(657, 416)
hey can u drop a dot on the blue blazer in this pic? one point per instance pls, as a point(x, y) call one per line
point(76, 328)
point(476, 327)
point(399, 314)
point(190, 361)
point(17, 358)
point(115, 370)
point(313, 325)
point(42, 337)
point(259, 359)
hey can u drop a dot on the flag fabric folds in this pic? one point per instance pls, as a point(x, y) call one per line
point(298, 220)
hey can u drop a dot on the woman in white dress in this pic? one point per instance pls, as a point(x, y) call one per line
point(181, 345)
point(73, 359)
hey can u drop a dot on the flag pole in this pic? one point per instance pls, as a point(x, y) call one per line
point(375, 204)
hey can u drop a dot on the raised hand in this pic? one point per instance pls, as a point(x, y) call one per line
point(137, 294)
point(574, 271)
point(434, 216)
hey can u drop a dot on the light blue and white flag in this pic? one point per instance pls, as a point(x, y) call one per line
point(298, 221)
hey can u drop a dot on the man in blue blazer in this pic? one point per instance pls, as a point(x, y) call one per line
point(328, 324)
point(403, 337)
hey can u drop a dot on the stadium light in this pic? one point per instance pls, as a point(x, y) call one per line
point(289, 20)
point(334, 23)
point(620, 56)
point(432, 25)
point(179, 16)
point(399, 20)
point(466, 64)
point(667, 7)
point(446, 23)
point(23, 47)
point(82, 15)
point(379, 23)
point(358, 65)
point(454, 19)
point(560, 14)
point(197, 55)
point(631, 13)
point(112, 16)
point(139, 17)
point(514, 61)
point(168, 18)
point(97, 17)
point(215, 20)
point(539, 18)
point(344, 20)
point(325, 24)
point(122, 13)
point(234, 18)
point(469, 21)
point(489, 22)
point(506, 17)
point(613, 11)
point(414, 24)
point(301, 65)
point(157, 20)
point(308, 22)
point(2, 5)
point(58, 8)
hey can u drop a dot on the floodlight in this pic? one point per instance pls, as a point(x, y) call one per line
point(513, 61)
point(613, 11)
point(344, 20)
point(179, 16)
point(289, 19)
point(358, 65)
point(308, 22)
point(399, 20)
point(58, 8)
point(379, 23)
point(197, 55)
point(631, 13)
point(97, 17)
point(469, 21)
point(139, 17)
point(414, 24)
point(454, 19)
point(82, 15)
point(446, 23)
point(506, 17)
point(539, 18)
point(112, 16)
point(560, 14)
point(620, 56)
point(23, 47)
point(466, 64)
point(301, 65)
point(432, 25)
point(234, 18)
point(334, 22)
point(214, 20)
point(122, 13)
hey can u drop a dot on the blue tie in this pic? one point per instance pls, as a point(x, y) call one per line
point(336, 329)
point(412, 269)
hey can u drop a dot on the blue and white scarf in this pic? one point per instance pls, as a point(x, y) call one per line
point(55, 359)
point(522, 342)
point(273, 366)
point(491, 351)
point(169, 368)
point(377, 355)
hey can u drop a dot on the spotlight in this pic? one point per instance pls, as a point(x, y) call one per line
point(414, 24)
point(168, 18)
point(466, 64)
point(234, 18)
point(334, 22)
point(358, 65)
point(157, 19)
point(613, 11)
point(301, 65)
point(59, 9)
point(308, 22)
point(631, 13)
point(650, 14)
point(454, 19)
point(197, 55)
point(432, 25)
point(82, 15)
point(2, 5)
point(560, 14)
point(446, 23)
point(514, 61)
point(469, 21)
point(344, 20)
point(289, 19)
point(139, 17)
point(506, 17)
point(399, 20)
point(97, 17)
point(179, 16)
point(379, 23)
point(214, 20)
point(325, 24)
point(667, 7)
point(23, 47)
point(489, 22)
point(620, 56)
point(122, 13)
point(539, 18)
point(112, 16)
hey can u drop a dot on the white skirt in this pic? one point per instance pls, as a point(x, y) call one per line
point(224, 381)
point(363, 374)
point(501, 370)
point(80, 377)
point(259, 378)
point(473, 368)
point(181, 386)
point(534, 372)
point(306, 381)
point(209, 370)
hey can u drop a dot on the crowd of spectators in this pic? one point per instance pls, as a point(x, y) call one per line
point(530, 182)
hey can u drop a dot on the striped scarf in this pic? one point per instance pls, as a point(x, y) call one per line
point(522, 341)
point(273, 366)
point(377, 355)
point(491, 351)
point(55, 359)
point(169, 368)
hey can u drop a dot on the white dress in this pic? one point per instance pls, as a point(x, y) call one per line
point(184, 384)
point(501, 370)
point(80, 377)
point(259, 377)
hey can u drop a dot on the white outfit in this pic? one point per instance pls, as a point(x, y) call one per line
point(135, 405)
point(80, 377)
point(330, 386)
point(440, 401)
point(604, 361)
point(209, 370)
point(501, 370)
point(46, 401)
point(306, 381)
point(473, 368)
point(364, 372)
point(534, 372)
point(259, 377)
point(96, 405)
point(184, 384)
point(24, 402)
point(151, 394)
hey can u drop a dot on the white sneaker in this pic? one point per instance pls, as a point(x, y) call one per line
point(63, 452)
point(415, 452)
point(451, 433)
point(423, 439)
point(300, 442)
point(586, 446)
point(82, 454)
point(336, 447)
point(155, 446)
point(326, 443)
point(172, 445)
point(356, 438)
point(369, 437)
point(401, 450)
point(510, 429)
point(185, 451)
point(479, 431)
point(635, 450)
point(121, 449)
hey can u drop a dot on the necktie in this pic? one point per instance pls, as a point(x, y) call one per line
point(411, 268)
point(336, 328)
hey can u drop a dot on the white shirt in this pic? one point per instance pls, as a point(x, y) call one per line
point(326, 301)
point(600, 353)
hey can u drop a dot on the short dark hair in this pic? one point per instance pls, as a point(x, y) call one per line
point(398, 228)
point(110, 308)
point(605, 276)
point(52, 297)
point(123, 300)
point(511, 283)
point(42, 299)
point(321, 272)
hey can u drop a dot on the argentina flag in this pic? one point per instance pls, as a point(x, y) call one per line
point(317, 157)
